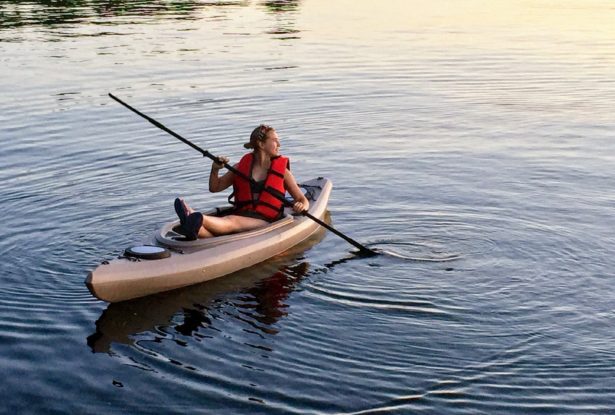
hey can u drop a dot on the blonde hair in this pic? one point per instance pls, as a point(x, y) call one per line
point(258, 134)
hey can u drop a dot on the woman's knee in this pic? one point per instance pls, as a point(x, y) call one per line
point(216, 225)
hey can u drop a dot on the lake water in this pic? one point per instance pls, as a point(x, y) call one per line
point(472, 142)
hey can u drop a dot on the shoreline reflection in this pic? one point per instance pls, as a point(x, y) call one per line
point(15, 13)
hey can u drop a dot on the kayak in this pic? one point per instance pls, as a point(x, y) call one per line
point(169, 262)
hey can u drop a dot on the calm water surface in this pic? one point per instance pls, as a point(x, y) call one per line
point(472, 142)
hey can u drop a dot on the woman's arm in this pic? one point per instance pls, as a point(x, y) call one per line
point(216, 183)
point(301, 202)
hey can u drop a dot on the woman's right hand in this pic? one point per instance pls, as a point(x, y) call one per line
point(220, 162)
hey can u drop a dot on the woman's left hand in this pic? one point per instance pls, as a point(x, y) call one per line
point(300, 207)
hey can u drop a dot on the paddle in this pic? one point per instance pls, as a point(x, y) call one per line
point(363, 250)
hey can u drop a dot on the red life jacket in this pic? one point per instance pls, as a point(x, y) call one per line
point(266, 204)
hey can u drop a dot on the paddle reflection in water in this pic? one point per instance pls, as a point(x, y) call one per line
point(255, 295)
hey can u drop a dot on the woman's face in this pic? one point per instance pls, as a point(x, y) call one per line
point(271, 145)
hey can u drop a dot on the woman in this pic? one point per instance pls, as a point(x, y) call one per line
point(253, 206)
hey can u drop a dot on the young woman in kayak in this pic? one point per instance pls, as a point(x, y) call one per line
point(253, 206)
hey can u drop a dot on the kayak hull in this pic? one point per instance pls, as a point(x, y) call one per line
point(202, 260)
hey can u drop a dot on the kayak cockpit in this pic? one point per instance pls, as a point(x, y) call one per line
point(168, 235)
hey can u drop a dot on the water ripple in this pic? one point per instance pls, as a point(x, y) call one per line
point(476, 155)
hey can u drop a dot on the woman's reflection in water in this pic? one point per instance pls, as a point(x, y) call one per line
point(261, 303)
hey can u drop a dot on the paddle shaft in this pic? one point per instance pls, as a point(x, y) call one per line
point(362, 249)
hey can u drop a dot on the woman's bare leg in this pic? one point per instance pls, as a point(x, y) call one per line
point(213, 225)
point(204, 233)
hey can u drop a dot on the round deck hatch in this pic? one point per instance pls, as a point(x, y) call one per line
point(147, 252)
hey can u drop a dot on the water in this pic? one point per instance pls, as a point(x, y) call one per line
point(471, 143)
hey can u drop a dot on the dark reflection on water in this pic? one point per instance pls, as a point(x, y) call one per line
point(281, 6)
point(272, 291)
point(53, 13)
point(284, 11)
point(258, 298)
point(56, 15)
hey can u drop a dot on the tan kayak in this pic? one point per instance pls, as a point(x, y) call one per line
point(182, 263)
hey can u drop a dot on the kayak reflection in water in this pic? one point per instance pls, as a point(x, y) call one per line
point(261, 302)
point(254, 207)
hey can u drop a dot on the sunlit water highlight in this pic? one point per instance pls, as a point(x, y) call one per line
point(471, 144)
